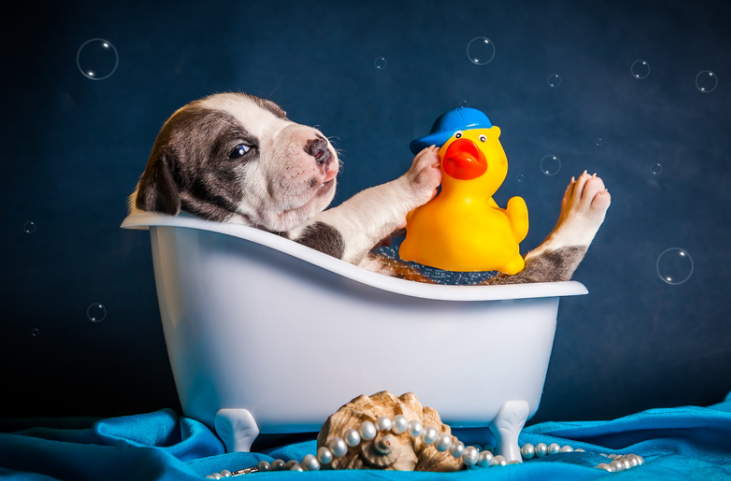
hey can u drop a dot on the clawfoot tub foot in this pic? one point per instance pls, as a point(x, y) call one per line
point(506, 427)
point(236, 428)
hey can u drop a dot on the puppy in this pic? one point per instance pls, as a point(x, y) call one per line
point(237, 158)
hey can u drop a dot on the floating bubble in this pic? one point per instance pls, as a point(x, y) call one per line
point(674, 266)
point(640, 69)
point(96, 312)
point(97, 59)
point(480, 50)
point(35, 332)
point(554, 80)
point(463, 103)
point(706, 81)
point(29, 227)
point(656, 168)
point(381, 63)
point(550, 165)
point(598, 141)
point(521, 178)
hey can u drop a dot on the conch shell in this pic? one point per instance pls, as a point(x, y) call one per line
point(400, 452)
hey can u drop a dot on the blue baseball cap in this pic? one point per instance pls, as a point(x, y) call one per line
point(447, 124)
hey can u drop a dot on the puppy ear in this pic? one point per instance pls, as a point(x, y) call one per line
point(157, 191)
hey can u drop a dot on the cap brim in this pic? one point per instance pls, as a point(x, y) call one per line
point(437, 138)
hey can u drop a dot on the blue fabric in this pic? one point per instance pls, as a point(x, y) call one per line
point(685, 443)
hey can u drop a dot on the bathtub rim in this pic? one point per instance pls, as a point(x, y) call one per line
point(144, 221)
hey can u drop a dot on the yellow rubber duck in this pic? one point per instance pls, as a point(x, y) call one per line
point(463, 228)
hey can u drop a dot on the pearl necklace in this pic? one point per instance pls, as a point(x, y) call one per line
point(471, 455)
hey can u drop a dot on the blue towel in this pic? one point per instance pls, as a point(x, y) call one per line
point(685, 443)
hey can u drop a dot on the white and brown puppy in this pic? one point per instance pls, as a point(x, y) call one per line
point(237, 158)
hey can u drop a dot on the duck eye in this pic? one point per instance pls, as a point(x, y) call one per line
point(239, 151)
point(458, 134)
point(483, 138)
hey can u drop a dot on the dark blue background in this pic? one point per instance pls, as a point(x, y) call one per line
point(73, 149)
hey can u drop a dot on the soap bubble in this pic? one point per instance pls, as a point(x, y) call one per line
point(550, 165)
point(35, 332)
point(674, 266)
point(706, 81)
point(29, 227)
point(96, 312)
point(554, 80)
point(598, 141)
point(97, 59)
point(656, 168)
point(640, 69)
point(381, 63)
point(480, 50)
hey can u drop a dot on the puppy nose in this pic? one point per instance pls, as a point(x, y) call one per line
point(318, 149)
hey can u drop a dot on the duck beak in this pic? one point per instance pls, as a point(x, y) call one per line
point(464, 160)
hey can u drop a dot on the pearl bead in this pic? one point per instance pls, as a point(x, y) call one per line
point(367, 430)
point(352, 438)
point(617, 465)
point(400, 423)
point(541, 450)
point(338, 447)
point(528, 451)
point(580, 450)
point(415, 428)
point(443, 442)
point(324, 455)
point(429, 435)
point(384, 424)
point(470, 456)
point(310, 463)
point(457, 449)
point(484, 459)
point(605, 467)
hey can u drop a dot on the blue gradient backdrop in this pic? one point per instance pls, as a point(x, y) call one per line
point(73, 149)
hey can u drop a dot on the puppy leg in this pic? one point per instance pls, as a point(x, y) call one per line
point(393, 268)
point(583, 208)
point(361, 222)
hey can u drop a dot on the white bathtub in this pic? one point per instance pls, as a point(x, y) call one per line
point(266, 335)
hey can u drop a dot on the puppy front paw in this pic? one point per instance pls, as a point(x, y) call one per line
point(425, 175)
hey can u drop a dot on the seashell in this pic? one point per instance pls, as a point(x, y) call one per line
point(388, 450)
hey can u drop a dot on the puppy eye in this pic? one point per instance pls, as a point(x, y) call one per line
point(239, 151)
point(483, 138)
point(458, 134)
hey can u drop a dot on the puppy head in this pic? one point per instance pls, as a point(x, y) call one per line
point(237, 158)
